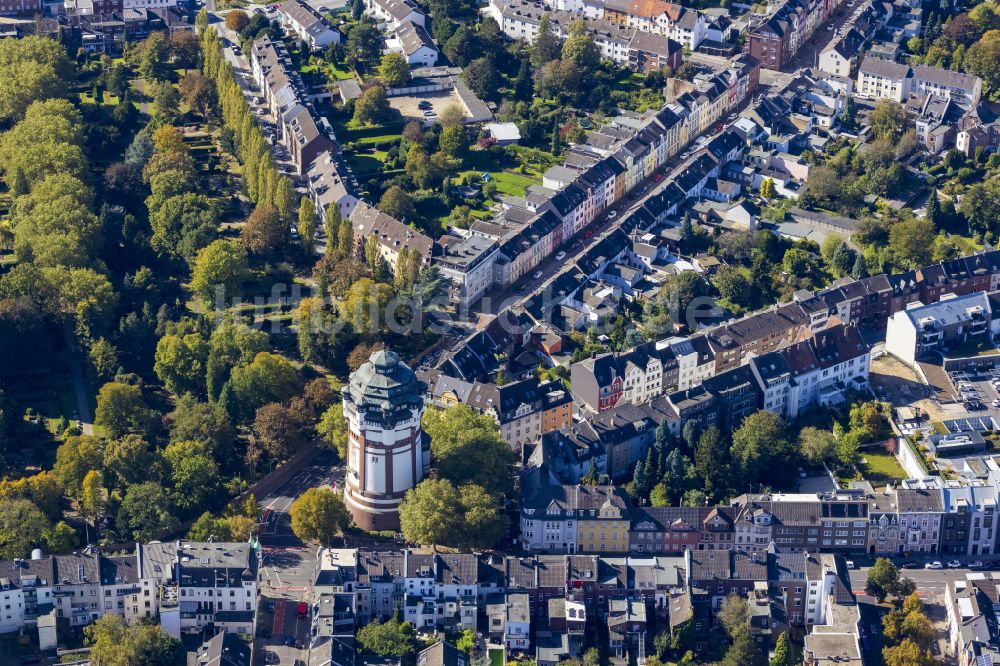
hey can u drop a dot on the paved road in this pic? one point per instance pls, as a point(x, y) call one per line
point(80, 387)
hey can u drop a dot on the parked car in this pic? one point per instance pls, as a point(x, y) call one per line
point(423, 105)
point(851, 564)
point(976, 564)
point(934, 565)
point(560, 256)
point(270, 606)
point(612, 214)
point(537, 275)
point(954, 564)
point(303, 611)
point(290, 640)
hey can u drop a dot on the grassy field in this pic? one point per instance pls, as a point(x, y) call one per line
point(496, 657)
point(881, 468)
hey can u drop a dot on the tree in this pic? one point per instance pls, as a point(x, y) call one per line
point(154, 58)
point(468, 449)
point(279, 430)
point(22, 527)
point(483, 78)
point(144, 512)
point(60, 539)
point(734, 614)
point(452, 115)
point(907, 653)
point(103, 358)
point(93, 496)
point(580, 48)
point(981, 206)
point(767, 188)
point(307, 224)
point(185, 49)
point(389, 638)
point(128, 461)
point(167, 102)
point(264, 232)
point(319, 514)
point(453, 141)
point(762, 450)
point(183, 224)
point(237, 20)
point(193, 473)
point(198, 91)
point(980, 60)
point(888, 119)
point(121, 410)
point(711, 460)
point(817, 446)
point(114, 643)
point(269, 378)
point(32, 68)
point(219, 272)
point(911, 240)
point(394, 70)
point(364, 46)
point(54, 225)
point(372, 107)
point(395, 202)
point(49, 140)
point(744, 651)
point(546, 46)
point(429, 513)
point(483, 521)
point(75, 457)
point(732, 284)
point(180, 363)
point(883, 578)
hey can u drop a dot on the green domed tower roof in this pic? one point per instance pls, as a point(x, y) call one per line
point(385, 388)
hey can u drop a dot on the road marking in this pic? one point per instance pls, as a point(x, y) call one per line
point(279, 618)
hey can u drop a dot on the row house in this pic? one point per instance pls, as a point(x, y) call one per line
point(831, 522)
point(885, 79)
point(610, 443)
point(674, 530)
point(906, 521)
point(821, 370)
point(305, 139)
point(524, 410)
point(972, 606)
point(307, 24)
point(390, 234)
point(331, 183)
point(575, 519)
point(390, 14)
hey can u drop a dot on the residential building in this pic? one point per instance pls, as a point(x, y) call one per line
point(524, 410)
point(947, 324)
point(575, 519)
point(307, 24)
point(390, 234)
point(971, 606)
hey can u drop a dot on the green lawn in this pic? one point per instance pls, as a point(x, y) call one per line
point(496, 657)
point(881, 468)
point(513, 184)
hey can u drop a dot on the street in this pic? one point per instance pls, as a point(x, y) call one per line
point(288, 566)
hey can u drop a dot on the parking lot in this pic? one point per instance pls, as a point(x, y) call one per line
point(409, 105)
point(977, 393)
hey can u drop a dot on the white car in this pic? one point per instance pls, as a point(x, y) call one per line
point(562, 255)
point(976, 564)
point(537, 274)
point(996, 403)
point(954, 564)
point(612, 215)
point(933, 565)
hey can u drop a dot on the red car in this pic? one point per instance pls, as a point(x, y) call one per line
point(303, 609)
